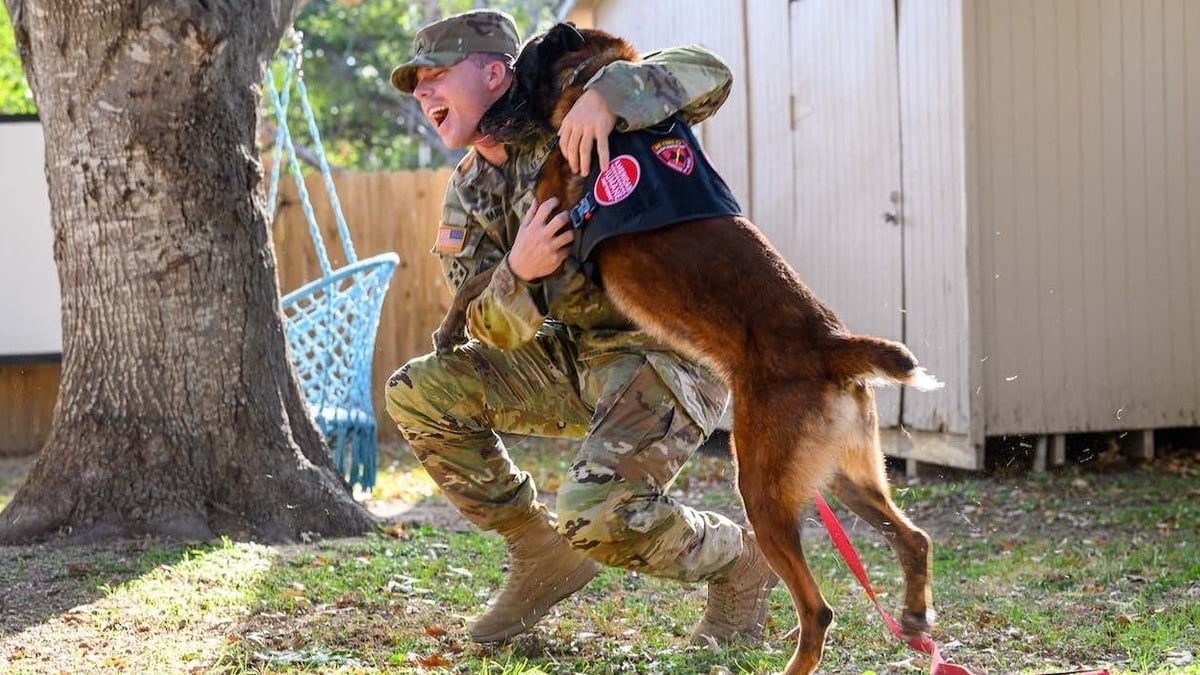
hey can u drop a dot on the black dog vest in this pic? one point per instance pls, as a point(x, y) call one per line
point(656, 177)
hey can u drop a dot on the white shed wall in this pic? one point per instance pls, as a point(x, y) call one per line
point(30, 318)
point(1086, 189)
point(1048, 183)
point(930, 44)
point(846, 156)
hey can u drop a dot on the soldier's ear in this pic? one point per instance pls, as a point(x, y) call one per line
point(496, 71)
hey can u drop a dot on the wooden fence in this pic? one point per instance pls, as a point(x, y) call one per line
point(28, 391)
point(385, 212)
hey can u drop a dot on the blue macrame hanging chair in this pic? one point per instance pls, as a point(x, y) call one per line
point(330, 322)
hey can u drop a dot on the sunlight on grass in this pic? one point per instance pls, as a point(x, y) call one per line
point(170, 619)
point(410, 485)
point(205, 581)
point(400, 478)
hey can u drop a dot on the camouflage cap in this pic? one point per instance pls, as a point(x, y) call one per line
point(446, 42)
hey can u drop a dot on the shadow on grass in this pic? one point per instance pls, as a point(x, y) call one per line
point(43, 581)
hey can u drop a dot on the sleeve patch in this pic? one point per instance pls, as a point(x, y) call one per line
point(451, 239)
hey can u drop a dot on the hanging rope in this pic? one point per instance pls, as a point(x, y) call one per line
point(331, 322)
point(283, 142)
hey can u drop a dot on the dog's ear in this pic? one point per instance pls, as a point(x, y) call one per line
point(539, 55)
point(522, 110)
point(511, 116)
point(527, 68)
point(560, 39)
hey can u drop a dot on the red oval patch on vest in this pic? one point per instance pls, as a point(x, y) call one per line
point(618, 181)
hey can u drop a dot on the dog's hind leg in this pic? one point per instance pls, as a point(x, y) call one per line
point(778, 469)
point(861, 484)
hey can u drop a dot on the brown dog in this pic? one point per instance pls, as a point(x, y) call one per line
point(804, 413)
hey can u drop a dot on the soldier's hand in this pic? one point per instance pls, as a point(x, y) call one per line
point(588, 123)
point(543, 242)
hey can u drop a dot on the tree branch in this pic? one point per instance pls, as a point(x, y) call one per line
point(283, 14)
point(16, 13)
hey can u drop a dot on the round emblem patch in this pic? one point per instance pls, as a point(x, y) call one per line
point(676, 154)
point(618, 181)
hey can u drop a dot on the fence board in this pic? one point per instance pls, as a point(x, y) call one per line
point(27, 395)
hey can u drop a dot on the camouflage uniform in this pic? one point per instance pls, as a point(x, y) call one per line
point(555, 358)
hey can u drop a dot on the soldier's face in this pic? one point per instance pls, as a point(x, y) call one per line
point(454, 98)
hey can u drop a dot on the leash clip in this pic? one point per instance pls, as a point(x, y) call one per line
point(582, 212)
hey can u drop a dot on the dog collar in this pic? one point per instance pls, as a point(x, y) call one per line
point(578, 70)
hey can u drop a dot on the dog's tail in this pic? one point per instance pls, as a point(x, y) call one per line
point(879, 361)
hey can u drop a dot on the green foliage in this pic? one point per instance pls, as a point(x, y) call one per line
point(350, 48)
point(15, 97)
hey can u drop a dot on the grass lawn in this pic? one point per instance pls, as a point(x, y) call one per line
point(1092, 566)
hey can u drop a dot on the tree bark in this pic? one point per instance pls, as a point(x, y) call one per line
point(178, 412)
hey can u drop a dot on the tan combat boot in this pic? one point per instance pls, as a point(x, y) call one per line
point(737, 600)
point(543, 569)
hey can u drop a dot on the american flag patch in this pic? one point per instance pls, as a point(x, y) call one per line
point(451, 239)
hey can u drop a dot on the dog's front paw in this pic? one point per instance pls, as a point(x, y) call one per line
point(451, 332)
point(917, 624)
point(446, 339)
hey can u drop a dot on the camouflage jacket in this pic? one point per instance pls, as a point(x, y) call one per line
point(484, 205)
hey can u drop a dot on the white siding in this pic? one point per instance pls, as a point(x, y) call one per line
point(30, 318)
point(1048, 159)
point(930, 34)
point(772, 173)
point(847, 165)
point(1088, 136)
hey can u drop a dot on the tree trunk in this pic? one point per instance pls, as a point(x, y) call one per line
point(178, 413)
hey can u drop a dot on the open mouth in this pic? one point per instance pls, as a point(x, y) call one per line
point(438, 115)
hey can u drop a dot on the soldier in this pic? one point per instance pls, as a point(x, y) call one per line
point(550, 356)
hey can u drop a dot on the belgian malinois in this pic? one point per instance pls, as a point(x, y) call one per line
point(804, 414)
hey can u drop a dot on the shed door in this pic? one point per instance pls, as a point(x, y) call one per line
point(846, 145)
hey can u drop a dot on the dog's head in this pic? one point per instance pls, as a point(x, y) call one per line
point(548, 77)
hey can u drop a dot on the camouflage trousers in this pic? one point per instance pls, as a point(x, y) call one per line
point(639, 414)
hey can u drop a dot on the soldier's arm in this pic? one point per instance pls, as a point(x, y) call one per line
point(506, 314)
point(688, 80)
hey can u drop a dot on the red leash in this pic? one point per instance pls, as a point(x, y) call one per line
point(924, 644)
